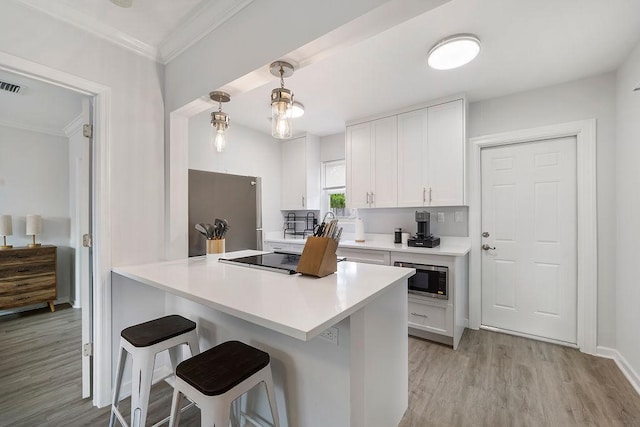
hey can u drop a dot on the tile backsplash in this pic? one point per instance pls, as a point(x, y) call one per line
point(384, 221)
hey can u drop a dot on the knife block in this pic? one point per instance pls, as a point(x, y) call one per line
point(318, 257)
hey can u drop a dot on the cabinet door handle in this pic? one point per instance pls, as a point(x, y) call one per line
point(420, 315)
point(303, 201)
point(372, 198)
point(430, 199)
point(424, 195)
point(368, 198)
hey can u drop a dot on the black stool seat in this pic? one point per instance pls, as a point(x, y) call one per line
point(157, 330)
point(222, 367)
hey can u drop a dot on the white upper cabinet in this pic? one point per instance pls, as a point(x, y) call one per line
point(371, 152)
point(412, 143)
point(300, 175)
point(431, 156)
point(446, 153)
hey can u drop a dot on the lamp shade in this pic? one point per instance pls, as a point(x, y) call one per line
point(6, 226)
point(34, 225)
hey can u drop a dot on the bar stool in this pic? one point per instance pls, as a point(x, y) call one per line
point(216, 377)
point(143, 342)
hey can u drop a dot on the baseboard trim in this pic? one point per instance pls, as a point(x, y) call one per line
point(531, 337)
point(630, 374)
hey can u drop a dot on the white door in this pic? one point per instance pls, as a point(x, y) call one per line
point(529, 281)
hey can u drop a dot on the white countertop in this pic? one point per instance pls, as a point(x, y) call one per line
point(450, 246)
point(295, 305)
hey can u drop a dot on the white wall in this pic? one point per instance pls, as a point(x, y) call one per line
point(628, 211)
point(248, 153)
point(583, 99)
point(332, 147)
point(34, 179)
point(136, 139)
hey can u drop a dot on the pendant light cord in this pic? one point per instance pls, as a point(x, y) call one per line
point(281, 77)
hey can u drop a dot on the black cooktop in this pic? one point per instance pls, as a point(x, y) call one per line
point(280, 262)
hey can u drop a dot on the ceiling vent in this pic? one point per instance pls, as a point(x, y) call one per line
point(9, 87)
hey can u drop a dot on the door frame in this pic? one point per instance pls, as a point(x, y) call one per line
point(101, 209)
point(585, 133)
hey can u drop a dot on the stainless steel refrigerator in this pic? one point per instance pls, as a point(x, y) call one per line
point(235, 198)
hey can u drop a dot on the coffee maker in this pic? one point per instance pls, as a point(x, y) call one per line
point(423, 238)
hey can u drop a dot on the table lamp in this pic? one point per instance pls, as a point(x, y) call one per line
point(6, 229)
point(34, 226)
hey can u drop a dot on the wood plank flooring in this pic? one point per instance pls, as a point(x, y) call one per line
point(492, 380)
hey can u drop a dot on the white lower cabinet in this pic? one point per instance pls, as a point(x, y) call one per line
point(432, 317)
point(439, 319)
point(365, 256)
point(275, 246)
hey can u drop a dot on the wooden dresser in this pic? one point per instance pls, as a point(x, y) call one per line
point(28, 276)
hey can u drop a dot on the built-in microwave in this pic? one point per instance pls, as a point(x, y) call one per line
point(429, 280)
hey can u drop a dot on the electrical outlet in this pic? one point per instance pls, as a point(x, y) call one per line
point(459, 216)
point(330, 335)
point(440, 216)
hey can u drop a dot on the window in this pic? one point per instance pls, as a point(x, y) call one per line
point(334, 189)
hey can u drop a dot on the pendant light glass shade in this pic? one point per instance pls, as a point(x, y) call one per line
point(281, 102)
point(281, 108)
point(219, 122)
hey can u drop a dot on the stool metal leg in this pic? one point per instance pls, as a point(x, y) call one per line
point(194, 348)
point(142, 376)
point(116, 391)
point(176, 403)
point(268, 382)
point(219, 413)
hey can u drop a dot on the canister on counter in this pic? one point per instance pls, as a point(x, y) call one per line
point(397, 235)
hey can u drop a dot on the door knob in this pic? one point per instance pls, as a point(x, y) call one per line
point(486, 247)
point(485, 234)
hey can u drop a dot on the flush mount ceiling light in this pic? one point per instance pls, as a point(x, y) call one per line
point(281, 102)
point(297, 110)
point(123, 3)
point(219, 121)
point(453, 52)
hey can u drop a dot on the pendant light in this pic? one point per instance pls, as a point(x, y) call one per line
point(219, 121)
point(281, 102)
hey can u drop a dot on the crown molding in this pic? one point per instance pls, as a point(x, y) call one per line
point(200, 21)
point(71, 16)
point(48, 130)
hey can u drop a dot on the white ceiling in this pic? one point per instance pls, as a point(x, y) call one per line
point(38, 106)
point(157, 29)
point(525, 45)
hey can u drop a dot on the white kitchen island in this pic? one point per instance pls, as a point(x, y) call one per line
point(360, 381)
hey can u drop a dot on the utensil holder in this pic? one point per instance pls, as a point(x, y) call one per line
point(215, 246)
point(318, 257)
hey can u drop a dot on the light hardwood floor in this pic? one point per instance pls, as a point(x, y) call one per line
point(492, 380)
